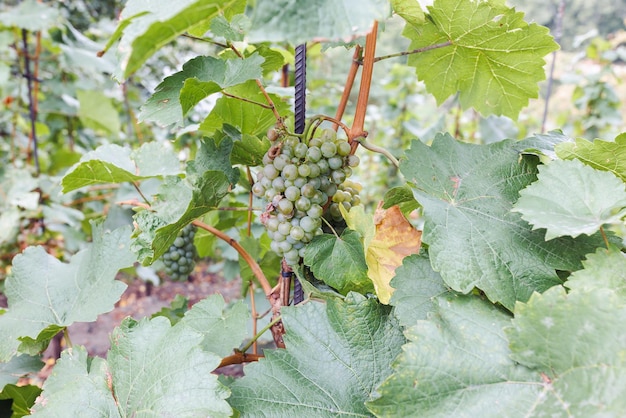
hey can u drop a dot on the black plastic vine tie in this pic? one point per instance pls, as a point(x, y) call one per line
point(300, 119)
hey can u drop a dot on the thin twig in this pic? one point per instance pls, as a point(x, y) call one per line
point(136, 186)
point(243, 99)
point(211, 41)
point(414, 51)
point(31, 103)
point(255, 316)
point(250, 200)
point(239, 358)
point(379, 150)
point(270, 102)
point(259, 334)
point(558, 32)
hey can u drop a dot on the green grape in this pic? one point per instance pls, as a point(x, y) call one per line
point(179, 258)
point(290, 172)
point(292, 193)
point(314, 154)
point(328, 149)
point(343, 148)
point(335, 163)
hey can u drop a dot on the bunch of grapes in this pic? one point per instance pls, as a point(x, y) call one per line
point(179, 258)
point(298, 180)
point(347, 195)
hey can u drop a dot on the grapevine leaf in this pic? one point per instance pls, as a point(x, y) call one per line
point(112, 163)
point(339, 261)
point(249, 150)
point(296, 22)
point(395, 239)
point(599, 154)
point(179, 384)
point(152, 368)
point(574, 341)
point(145, 27)
point(249, 118)
point(337, 352)
point(42, 291)
point(96, 111)
point(210, 318)
point(417, 285)
point(493, 57)
point(178, 202)
point(31, 15)
point(467, 192)
point(214, 156)
point(543, 144)
point(409, 10)
point(496, 128)
point(199, 78)
point(571, 198)
point(22, 399)
point(77, 386)
point(403, 197)
point(457, 364)
point(17, 367)
point(232, 31)
point(602, 269)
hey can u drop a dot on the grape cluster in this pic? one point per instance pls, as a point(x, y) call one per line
point(347, 195)
point(298, 179)
point(179, 258)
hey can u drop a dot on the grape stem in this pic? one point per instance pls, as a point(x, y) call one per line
point(379, 150)
point(331, 227)
point(258, 334)
point(243, 99)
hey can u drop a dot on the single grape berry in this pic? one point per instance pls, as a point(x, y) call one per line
point(179, 258)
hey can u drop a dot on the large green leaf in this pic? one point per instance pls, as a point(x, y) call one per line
point(162, 370)
point(417, 286)
point(467, 192)
point(112, 163)
point(179, 202)
point(146, 26)
point(576, 343)
point(570, 198)
point(457, 364)
point(199, 78)
point(337, 352)
point(495, 59)
point(339, 261)
point(209, 317)
point(152, 369)
point(249, 118)
point(296, 21)
point(599, 154)
point(16, 189)
point(43, 292)
point(603, 269)
point(77, 387)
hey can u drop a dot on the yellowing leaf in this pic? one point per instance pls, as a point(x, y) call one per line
point(395, 239)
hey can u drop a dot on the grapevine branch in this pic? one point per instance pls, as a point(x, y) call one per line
point(243, 99)
point(413, 51)
point(356, 130)
point(254, 266)
point(347, 89)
